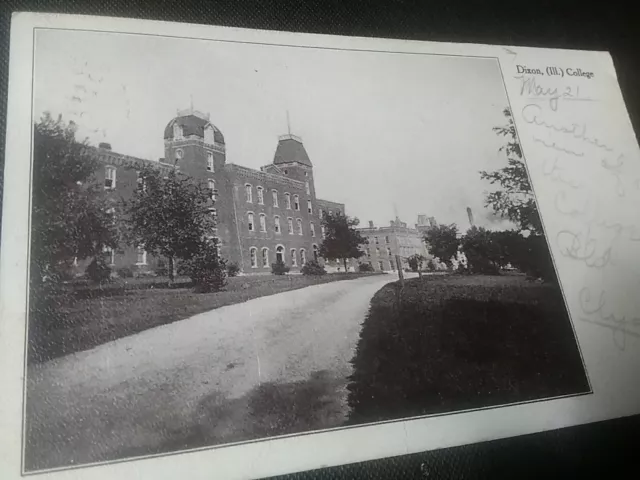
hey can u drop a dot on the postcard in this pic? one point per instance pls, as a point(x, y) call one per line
point(232, 253)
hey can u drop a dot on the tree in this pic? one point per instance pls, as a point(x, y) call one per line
point(514, 200)
point(442, 242)
point(481, 250)
point(342, 241)
point(416, 262)
point(207, 270)
point(172, 216)
point(71, 216)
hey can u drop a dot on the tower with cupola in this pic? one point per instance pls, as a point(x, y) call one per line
point(292, 160)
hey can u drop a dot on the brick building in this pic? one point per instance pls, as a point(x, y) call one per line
point(384, 243)
point(262, 215)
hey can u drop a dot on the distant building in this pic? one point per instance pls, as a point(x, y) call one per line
point(384, 243)
point(262, 215)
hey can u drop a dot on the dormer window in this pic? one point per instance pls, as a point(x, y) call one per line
point(208, 135)
point(177, 132)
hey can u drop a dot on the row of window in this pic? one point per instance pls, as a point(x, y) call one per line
point(368, 250)
point(276, 225)
point(386, 240)
point(294, 260)
point(274, 195)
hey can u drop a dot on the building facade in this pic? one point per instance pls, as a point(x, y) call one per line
point(384, 243)
point(262, 215)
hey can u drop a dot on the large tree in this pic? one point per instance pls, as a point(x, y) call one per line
point(482, 251)
point(442, 242)
point(71, 217)
point(341, 238)
point(513, 199)
point(170, 216)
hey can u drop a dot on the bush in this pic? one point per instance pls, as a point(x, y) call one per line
point(98, 271)
point(312, 267)
point(125, 272)
point(233, 269)
point(365, 267)
point(432, 266)
point(416, 262)
point(279, 268)
point(206, 269)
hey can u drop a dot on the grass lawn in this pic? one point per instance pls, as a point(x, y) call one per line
point(92, 321)
point(460, 342)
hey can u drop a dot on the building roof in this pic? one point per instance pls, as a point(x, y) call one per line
point(192, 125)
point(290, 150)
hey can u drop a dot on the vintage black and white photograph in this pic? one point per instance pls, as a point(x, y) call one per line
point(232, 242)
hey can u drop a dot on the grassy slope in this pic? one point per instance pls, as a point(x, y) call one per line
point(462, 342)
point(93, 321)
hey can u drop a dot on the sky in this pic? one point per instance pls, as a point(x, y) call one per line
point(385, 132)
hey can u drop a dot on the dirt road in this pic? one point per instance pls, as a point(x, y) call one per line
point(270, 366)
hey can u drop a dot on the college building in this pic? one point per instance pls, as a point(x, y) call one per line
point(385, 242)
point(262, 215)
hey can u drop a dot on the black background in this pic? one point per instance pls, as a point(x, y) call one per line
point(604, 448)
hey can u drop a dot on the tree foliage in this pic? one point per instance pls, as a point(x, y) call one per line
point(312, 267)
point(70, 214)
point(416, 262)
point(482, 251)
point(279, 268)
point(171, 216)
point(207, 270)
point(342, 241)
point(514, 199)
point(442, 242)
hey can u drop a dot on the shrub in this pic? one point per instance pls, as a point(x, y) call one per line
point(365, 267)
point(233, 269)
point(207, 270)
point(416, 262)
point(98, 271)
point(312, 267)
point(279, 268)
point(125, 272)
point(432, 266)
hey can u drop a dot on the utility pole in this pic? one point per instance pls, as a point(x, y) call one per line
point(400, 272)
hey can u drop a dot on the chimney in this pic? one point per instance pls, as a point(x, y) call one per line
point(104, 146)
point(470, 214)
point(370, 223)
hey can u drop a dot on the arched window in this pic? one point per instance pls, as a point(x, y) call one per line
point(294, 258)
point(290, 225)
point(177, 132)
point(263, 222)
point(303, 256)
point(287, 201)
point(260, 196)
point(315, 252)
point(309, 207)
point(212, 189)
point(208, 135)
point(109, 177)
point(253, 252)
point(299, 221)
point(275, 197)
point(313, 229)
point(250, 222)
point(280, 254)
point(296, 202)
point(210, 161)
point(307, 188)
point(265, 257)
point(276, 224)
point(249, 192)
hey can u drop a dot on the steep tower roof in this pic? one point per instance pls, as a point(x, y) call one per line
point(290, 149)
point(192, 123)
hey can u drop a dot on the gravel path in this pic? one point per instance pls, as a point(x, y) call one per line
point(174, 386)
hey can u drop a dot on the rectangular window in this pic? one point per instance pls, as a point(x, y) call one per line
point(249, 193)
point(309, 207)
point(210, 161)
point(109, 177)
point(110, 253)
point(260, 196)
point(275, 198)
point(265, 257)
point(388, 251)
point(254, 257)
point(296, 203)
point(307, 188)
point(299, 226)
point(313, 229)
point(263, 223)
point(141, 256)
point(212, 189)
point(287, 201)
point(386, 239)
point(290, 225)
point(276, 224)
point(250, 222)
point(294, 258)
